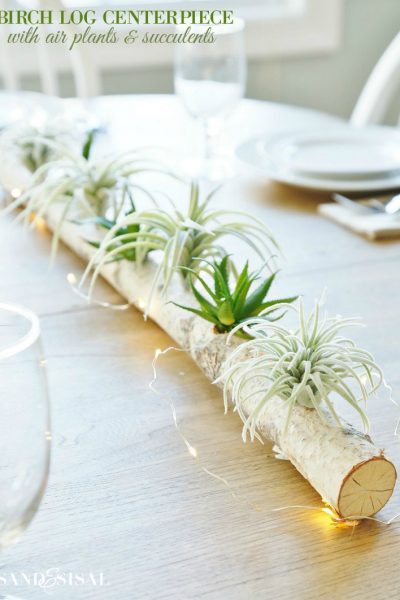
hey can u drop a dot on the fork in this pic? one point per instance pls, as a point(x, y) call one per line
point(369, 205)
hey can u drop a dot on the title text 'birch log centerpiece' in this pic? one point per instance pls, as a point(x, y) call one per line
point(280, 381)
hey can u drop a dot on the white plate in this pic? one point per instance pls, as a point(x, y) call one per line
point(27, 105)
point(257, 153)
point(343, 154)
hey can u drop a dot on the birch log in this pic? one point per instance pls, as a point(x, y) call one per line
point(349, 472)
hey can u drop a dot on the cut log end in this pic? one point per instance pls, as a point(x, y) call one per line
point(367, 488)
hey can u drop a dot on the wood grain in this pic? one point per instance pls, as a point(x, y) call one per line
point(125, 497)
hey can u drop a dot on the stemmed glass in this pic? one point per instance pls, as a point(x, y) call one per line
point(24, 421)
point(210, 79)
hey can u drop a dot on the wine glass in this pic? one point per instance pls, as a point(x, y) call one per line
point(210, 79)
point(24, 421)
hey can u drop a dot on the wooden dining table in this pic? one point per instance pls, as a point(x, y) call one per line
point(126, 501)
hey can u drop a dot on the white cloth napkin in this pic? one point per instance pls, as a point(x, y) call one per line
point(373, 226)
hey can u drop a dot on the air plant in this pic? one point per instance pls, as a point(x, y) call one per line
point(228, 307)
point(83, 188)
point(302, 367)
point(107, 224)
point(48, 140)
point(183, 238)
point(38, 149)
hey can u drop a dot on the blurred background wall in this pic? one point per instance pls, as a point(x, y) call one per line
point(332, 83)
point(329, 83)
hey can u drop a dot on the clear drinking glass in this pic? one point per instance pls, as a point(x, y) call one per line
point(210, 79)
point(24, 421)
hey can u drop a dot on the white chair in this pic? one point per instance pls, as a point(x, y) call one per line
point(86, 76)
point(380, 89)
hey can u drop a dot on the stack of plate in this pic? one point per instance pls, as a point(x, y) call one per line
point(339, 159)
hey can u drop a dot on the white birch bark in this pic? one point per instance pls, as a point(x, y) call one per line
point(349, 472)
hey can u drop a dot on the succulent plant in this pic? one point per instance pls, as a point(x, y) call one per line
point(228, 306)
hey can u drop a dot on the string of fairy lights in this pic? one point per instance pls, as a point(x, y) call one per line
point(334, 518)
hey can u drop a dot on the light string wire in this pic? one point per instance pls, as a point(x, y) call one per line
point(335, 518)
point(352, 521)
point(191, 449)
point(72, 280)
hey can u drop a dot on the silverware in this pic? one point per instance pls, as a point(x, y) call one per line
point(370, 205)
point(393, 206)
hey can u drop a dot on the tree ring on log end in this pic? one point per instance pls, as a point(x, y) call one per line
point(367, 488)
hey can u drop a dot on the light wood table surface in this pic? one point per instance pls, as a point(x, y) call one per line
point(125, 498)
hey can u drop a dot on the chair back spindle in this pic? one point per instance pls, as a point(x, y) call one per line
point(380, 89)
point(85, 75)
